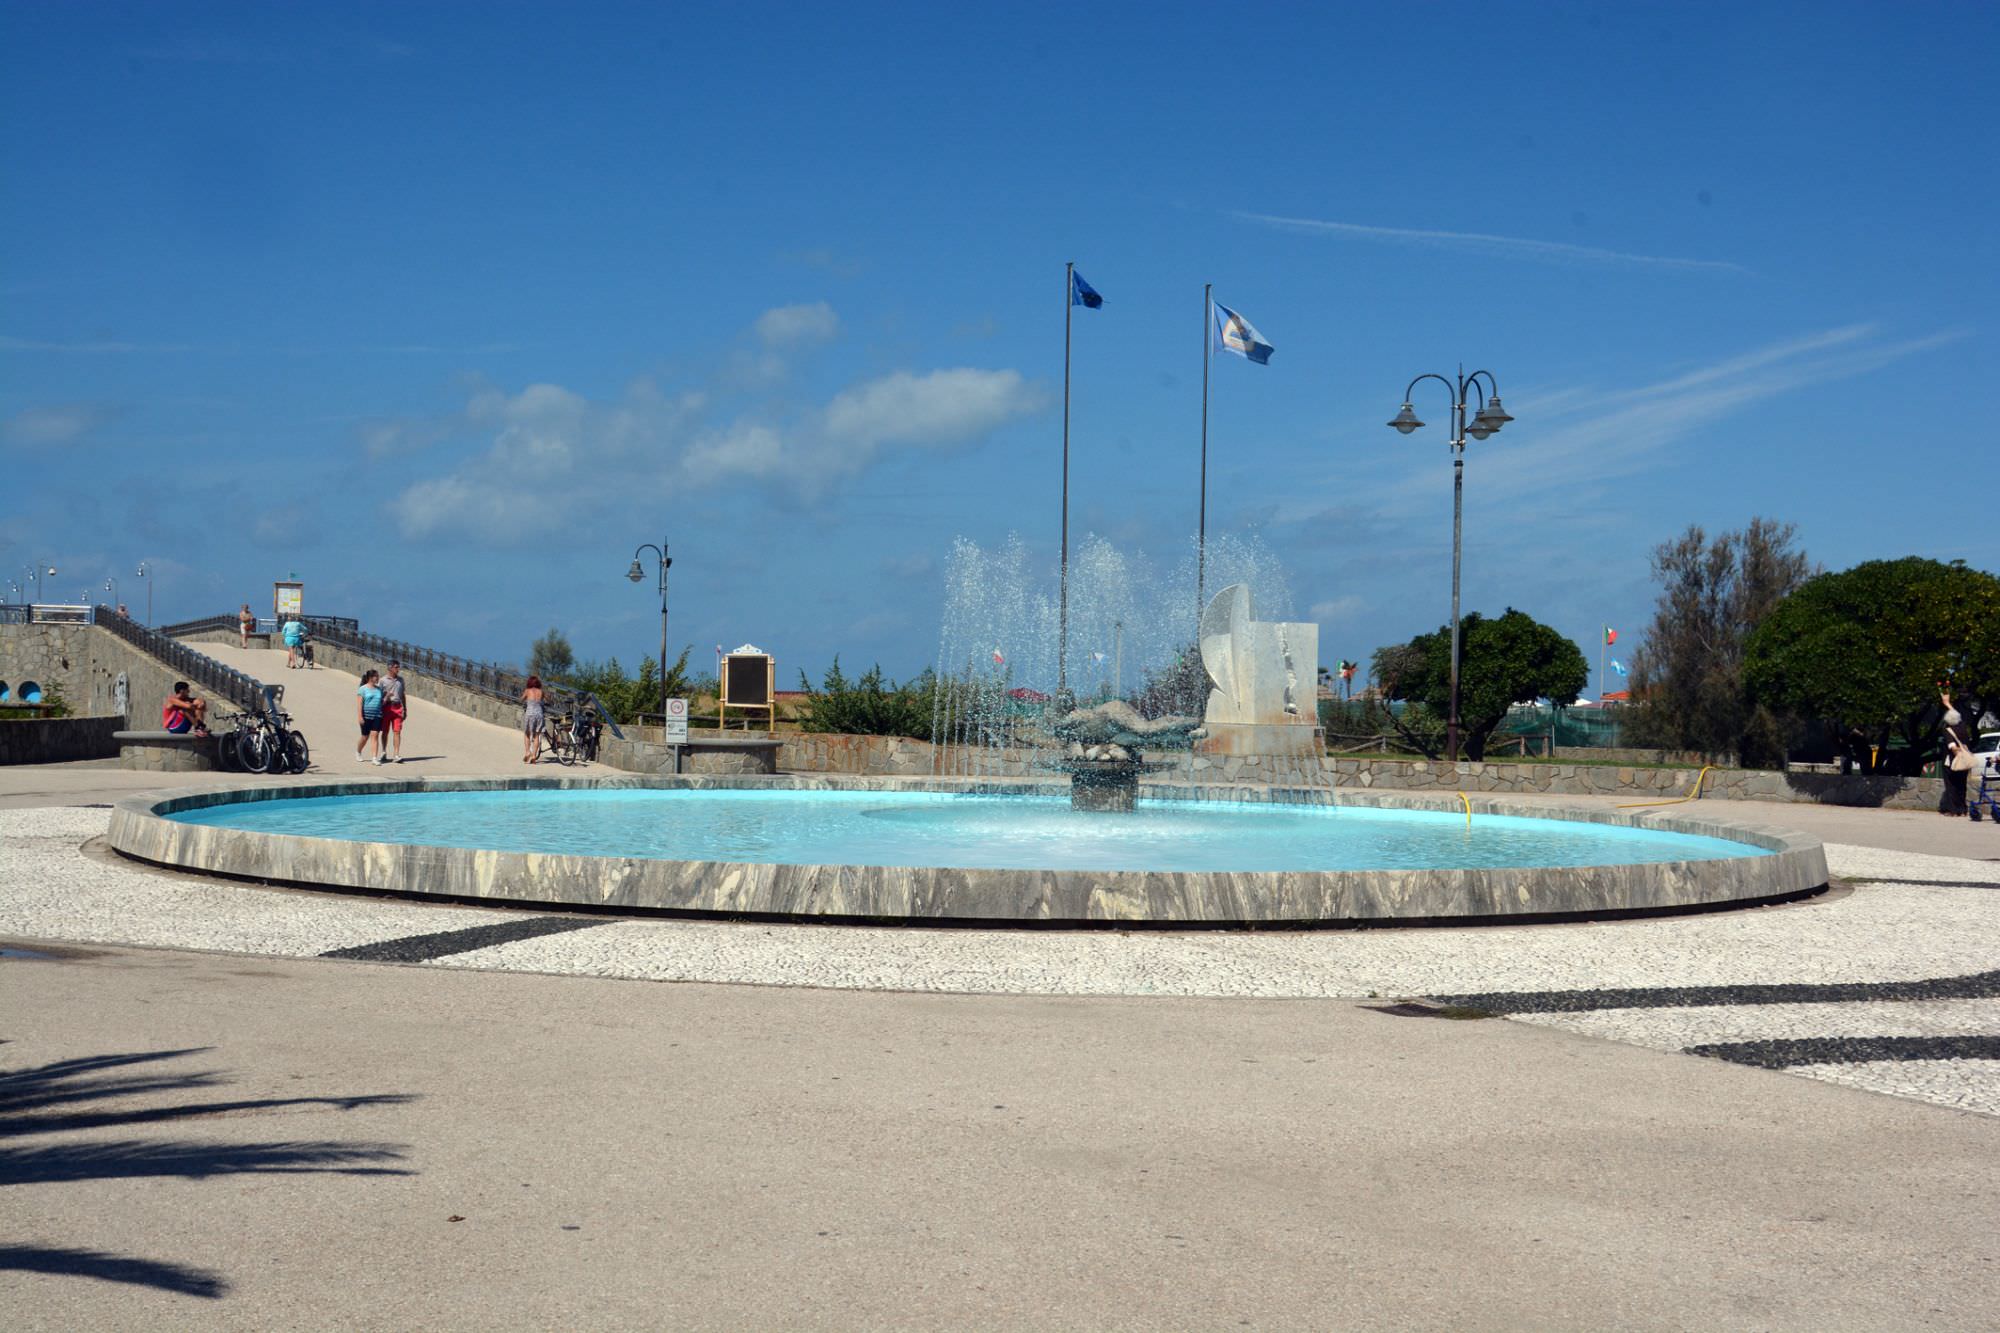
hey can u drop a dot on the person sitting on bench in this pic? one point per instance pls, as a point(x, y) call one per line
point(183, 713)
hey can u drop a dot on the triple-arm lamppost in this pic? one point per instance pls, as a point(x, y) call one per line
point(638, 574)
point(1491, 417)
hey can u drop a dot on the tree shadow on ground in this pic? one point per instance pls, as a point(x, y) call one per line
point(64, 1261)
point(58, 1097)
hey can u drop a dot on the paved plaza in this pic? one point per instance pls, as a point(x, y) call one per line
point(245, 1106)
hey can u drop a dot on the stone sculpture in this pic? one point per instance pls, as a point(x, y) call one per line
point(1266, 679)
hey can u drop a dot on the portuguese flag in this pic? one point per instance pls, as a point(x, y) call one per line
point(1610, 635)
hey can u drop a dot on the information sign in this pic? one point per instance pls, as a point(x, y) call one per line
point(677, 721)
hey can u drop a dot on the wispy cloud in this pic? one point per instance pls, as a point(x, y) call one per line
point(92, 348)
point(1511, 247)
point(58, 424)
point(1625, 431)
point(652, 439)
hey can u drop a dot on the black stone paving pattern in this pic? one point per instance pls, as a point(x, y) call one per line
point(1977, 986)
point(1781, 1053)
point(422, 948)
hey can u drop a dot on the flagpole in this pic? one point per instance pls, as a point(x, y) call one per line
point(1062, 615)
point(1603, 638)
point(1201, 528)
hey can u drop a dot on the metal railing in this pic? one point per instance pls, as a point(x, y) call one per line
point(488, 678)
point(241, 689)
point(45, 613)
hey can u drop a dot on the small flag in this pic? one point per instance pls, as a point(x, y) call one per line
point(1347, 669)
point(1619, 667)
point(1233, 333)
point(998, 660)
point(1610, 635)
point(1082, 293)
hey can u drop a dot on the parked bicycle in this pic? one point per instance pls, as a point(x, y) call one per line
point(268, 743)
point(229, 729)
point(570, 736)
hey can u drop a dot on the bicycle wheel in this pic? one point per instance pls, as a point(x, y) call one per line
point(301, 753)
point(253, 752)
point(225, 751)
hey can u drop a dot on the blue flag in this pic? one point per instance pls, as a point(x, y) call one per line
point(1233, 333)
point(1619, 667)
point(1082, 293)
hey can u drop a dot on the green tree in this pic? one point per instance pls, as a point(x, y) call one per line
point(1687, 672)
point(630, 698)
point(1865, 651)
point(1179, 689)
point(550, 656)
point(1514, 659)
point(870, 706)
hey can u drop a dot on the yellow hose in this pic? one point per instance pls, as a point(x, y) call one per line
point(1677, 800)
point(1468, 809)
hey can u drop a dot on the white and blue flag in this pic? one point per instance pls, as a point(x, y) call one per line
point(1619, 667)
point(1233, 333)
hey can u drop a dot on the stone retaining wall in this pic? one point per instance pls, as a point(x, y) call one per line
point(58, 740)
point(83, 661)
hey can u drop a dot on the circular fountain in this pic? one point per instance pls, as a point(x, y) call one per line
point(952, 851)
point(1139, 834)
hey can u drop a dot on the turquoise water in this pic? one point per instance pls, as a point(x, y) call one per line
point(940, 829)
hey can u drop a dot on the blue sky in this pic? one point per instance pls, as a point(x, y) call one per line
point(447, 307)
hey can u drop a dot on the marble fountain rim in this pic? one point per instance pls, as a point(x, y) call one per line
point(974, 896)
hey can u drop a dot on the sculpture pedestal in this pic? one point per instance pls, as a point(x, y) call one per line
point(1289, 739)
point(1104, 784)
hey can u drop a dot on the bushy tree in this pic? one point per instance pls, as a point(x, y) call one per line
point(1864, 651)
point(1509, 660)
point(551, 655)
point(1179, 689)
point(873, 705)
point(629, 698)
point(1687, 674)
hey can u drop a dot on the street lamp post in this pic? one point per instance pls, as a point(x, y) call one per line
point(1491, 417)
point(146, 573)
point(36, 570)
point(111, 586)
point(637, 574)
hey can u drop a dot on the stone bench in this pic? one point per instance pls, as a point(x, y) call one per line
point(746, 754)
point(165, 751)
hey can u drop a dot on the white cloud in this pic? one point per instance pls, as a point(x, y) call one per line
point(787, 325)
point(548, 436)
point(1515, 247)
point(1337, 608)
point(943, 407)
point(54, 425)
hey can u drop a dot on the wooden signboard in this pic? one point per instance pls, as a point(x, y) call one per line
point(749, 685)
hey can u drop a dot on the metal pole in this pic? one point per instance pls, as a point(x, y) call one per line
point(1201, 526)
point(1457, 528)
point(664, 563)
point(1062, 615)
point(1118, 660)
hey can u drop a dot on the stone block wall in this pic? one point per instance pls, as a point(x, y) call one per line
point(83, 661)
point(58, 740)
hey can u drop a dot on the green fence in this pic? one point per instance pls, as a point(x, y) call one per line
point(1594, 727)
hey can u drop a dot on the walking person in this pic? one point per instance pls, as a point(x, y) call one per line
point(1957, 742)
point(395, 707)
point(294, 633)
point(368, 707)
point(245, 622)
point(531, 721)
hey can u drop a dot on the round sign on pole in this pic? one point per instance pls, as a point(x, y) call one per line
point(677, 708)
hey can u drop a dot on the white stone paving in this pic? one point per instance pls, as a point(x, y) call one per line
point(1882, 931)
